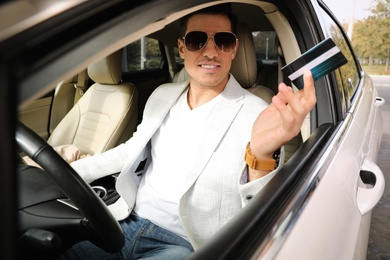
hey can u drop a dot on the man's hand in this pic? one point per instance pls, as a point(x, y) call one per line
point(281, 120)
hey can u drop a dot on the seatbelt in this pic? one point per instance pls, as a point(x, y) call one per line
point(81, 85)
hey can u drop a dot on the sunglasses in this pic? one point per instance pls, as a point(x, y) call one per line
point(226, 42)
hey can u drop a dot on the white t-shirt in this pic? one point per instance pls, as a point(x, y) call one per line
point(173, 149)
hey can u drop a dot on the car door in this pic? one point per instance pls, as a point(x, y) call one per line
point(337, 217)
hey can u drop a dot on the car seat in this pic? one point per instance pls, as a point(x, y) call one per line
point(105, 115)
point(244, 65)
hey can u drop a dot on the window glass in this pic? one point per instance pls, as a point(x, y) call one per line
point(348, 74)
point(143, 54)
point(265, 47)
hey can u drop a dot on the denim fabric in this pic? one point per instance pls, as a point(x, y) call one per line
point(144, 240)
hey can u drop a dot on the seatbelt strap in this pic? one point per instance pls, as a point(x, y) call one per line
point(81, 85)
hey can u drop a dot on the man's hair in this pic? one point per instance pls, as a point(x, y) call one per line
point(221, 9)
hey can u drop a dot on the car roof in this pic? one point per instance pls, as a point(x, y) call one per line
point(27, 14)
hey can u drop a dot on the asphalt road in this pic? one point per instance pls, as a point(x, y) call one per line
point(379, 241)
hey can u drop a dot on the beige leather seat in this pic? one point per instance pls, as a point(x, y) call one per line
point(65, 95)
point(105, 115)
point(244, 66)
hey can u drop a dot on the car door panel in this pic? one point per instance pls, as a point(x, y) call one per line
point(340, 178)
point(371, 117)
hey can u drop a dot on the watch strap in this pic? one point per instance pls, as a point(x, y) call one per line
point(257, 163)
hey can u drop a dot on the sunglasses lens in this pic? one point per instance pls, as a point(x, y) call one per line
point(195, 41)
point(225, 41)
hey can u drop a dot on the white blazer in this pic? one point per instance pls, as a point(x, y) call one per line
point(213, 190)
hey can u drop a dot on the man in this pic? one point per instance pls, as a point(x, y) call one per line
point(191, 145)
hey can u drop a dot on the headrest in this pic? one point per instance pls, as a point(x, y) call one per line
point(244, 66)
point(107, 70)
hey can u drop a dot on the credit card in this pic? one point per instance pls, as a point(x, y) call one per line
point(322, 59)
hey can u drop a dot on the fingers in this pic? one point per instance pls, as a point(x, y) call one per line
point(281, 102)
point(293, 107)
point(305, 97)
point(309, 91)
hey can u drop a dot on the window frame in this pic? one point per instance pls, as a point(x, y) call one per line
point(345, 98)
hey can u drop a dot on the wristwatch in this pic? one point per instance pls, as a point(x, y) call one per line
point(261, 164)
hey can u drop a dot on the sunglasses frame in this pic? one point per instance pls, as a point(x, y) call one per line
point(212, 37)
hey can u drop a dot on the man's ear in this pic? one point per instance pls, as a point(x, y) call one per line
point(180, 46)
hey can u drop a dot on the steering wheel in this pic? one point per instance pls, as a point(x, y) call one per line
point(104, 230)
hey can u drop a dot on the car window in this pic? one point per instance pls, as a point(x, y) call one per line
point(143, 54)
point(348, 75)
point(266, 52)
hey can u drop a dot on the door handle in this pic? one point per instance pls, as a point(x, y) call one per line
point(371, 186)
point(379, 101)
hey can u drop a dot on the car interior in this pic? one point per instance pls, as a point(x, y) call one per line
point(100, 104)
point(64, 116)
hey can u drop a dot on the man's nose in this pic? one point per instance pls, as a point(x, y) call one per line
point(210, 50)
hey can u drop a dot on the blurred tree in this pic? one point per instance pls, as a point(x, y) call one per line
point(381, 11)
point(152, 55)
point(372, 35)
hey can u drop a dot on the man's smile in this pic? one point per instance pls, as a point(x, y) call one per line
point(208, 66)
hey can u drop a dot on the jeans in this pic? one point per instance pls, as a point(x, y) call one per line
point(143, 240)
